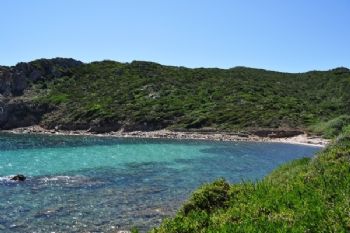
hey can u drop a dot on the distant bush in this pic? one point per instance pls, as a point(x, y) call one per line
point(332, 127)
point(58, 98)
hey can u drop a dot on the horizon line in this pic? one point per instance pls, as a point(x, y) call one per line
point(184, 66)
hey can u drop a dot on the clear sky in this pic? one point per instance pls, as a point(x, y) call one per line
point(284, 35)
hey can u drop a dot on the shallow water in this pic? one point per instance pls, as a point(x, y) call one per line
point(93, 184)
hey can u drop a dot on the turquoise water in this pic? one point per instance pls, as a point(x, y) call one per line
point(93, 184)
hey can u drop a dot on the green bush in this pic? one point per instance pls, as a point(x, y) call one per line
point(58, 98)
point(332, 127)
point(301, 196)
point(208, 198)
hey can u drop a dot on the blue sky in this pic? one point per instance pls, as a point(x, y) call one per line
point(290, 35)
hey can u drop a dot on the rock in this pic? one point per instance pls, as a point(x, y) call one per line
point(104, 126)
point(48, 212)
point(14, 80)
point(18, 113)
point(151, 125)
point(276, 133)
point(19, 177)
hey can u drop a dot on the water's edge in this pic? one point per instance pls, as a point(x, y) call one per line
point(301, 139)
point(106, 184)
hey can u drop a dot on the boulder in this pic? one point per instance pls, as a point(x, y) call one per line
point(16, 113)
point(19, 177)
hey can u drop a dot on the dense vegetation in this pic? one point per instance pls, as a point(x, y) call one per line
point(307, 195)
point(146, 96)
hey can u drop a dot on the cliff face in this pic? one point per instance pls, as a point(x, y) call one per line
point(19, 113)
point(14, 80)
point(16, 110)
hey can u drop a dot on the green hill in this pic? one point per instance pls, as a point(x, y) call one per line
point(149, 96)
point(107, 95)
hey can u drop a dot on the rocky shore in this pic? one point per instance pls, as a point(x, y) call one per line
point(303, 139)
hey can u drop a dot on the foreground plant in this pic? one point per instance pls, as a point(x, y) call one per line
point(307, 195)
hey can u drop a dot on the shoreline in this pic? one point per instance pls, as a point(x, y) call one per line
point(302, 139)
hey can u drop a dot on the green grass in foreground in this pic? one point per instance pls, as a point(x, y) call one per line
point(306, 195)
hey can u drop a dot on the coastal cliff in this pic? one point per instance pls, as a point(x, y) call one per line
point(17, 105)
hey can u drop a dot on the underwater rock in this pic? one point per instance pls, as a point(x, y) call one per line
point(19, 177)
point(46, 213)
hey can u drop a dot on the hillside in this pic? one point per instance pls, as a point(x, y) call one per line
point(106, 96)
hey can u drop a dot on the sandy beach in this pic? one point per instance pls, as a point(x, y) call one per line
point(302, 139)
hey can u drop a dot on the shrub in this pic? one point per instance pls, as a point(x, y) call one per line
point(208, 198)
point(301, 196)
point(332, 127)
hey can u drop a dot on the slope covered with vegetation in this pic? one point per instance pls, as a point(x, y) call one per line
point(148, 96)
point(307, 195)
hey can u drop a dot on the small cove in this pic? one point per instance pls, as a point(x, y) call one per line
point(94, 184)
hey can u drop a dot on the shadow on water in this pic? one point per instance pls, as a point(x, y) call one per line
point(9, 141)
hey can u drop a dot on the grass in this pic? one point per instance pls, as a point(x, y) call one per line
point(58, 98)
point(306, 195)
